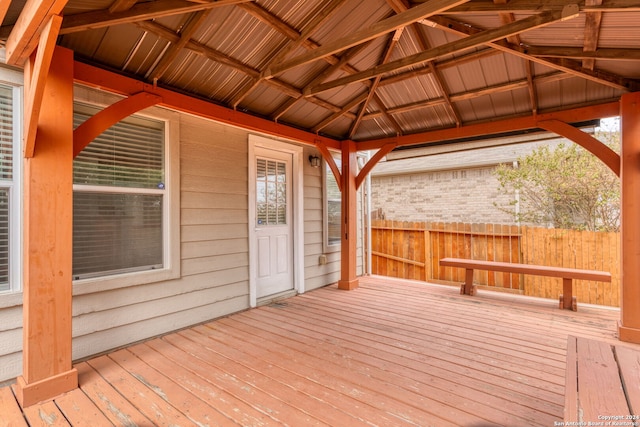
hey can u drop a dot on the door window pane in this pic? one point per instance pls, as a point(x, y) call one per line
point(271, 192)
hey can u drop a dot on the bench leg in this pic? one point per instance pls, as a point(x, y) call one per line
point(467, 288)
point(567, 300)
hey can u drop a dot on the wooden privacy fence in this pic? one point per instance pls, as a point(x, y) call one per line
point(411, 250)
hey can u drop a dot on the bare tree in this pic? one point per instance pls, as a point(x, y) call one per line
point(565, 187)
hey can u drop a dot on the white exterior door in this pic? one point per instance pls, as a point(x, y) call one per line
point(273, 222)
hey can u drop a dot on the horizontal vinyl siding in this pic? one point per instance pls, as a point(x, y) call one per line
point(316, 275)
point(214, 264)
point(10, 342)
point(214, 261)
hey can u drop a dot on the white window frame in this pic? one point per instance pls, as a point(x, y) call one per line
point(327, 248)
point(171, 203)
point(14, 80)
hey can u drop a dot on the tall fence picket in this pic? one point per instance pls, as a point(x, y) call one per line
point(411, 250)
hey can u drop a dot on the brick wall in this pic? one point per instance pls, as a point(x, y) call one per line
point(461, 195)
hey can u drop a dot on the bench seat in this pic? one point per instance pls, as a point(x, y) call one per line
point(567, 300)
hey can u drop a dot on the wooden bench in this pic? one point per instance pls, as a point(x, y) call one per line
point(602, 383)
point(567, 300)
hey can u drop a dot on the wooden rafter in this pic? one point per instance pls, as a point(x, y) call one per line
point(36, 73)
point(400, 6)
point(611, 54)
point(139, 12)
point(597, 76)
point(507, 18)
point(341, 64)
point(462, 59)
point(348, 107)
point(457, 97)
point(337, 63)
point(386, 114)
point(391, 44)
point(220, 57)
point(533, 94)
point(199, 48)
point(374, 31)
point(574, 69)
point(24, 36)
point(320, 16)
point(121, 5)
point(483, 37)
point(184, 37)
point(282, 27)
point(4, 8)
point(536, 6)
point(591, 32)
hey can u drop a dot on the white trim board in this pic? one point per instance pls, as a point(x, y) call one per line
point(298, 210)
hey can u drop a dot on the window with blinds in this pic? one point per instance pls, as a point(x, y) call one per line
point(118, 199)
point(333, 206)
point(6, 181)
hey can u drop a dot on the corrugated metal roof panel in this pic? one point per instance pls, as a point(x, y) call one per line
point(264, 99)
point(437, 116)
point(352, 16)
point(620, 30)
point(340, 126)
point(242, 41)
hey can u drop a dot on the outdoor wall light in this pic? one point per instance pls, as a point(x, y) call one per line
point(314, 161)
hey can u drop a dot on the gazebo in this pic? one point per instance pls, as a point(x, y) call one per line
point(339, 76)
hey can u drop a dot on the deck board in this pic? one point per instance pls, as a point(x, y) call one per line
point(10, 413)
point(390, 353)
point(107, 399)
point(45, 414)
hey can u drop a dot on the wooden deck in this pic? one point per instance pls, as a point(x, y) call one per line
point(389, 353)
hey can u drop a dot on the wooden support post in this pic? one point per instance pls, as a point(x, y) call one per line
point(567, 300)
point(348, 258)
point(48, 212)
point(467, 287)
point(629, 328)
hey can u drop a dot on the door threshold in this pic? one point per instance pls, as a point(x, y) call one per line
point(270, 299)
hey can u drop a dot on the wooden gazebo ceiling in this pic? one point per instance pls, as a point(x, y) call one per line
point(361, 69)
